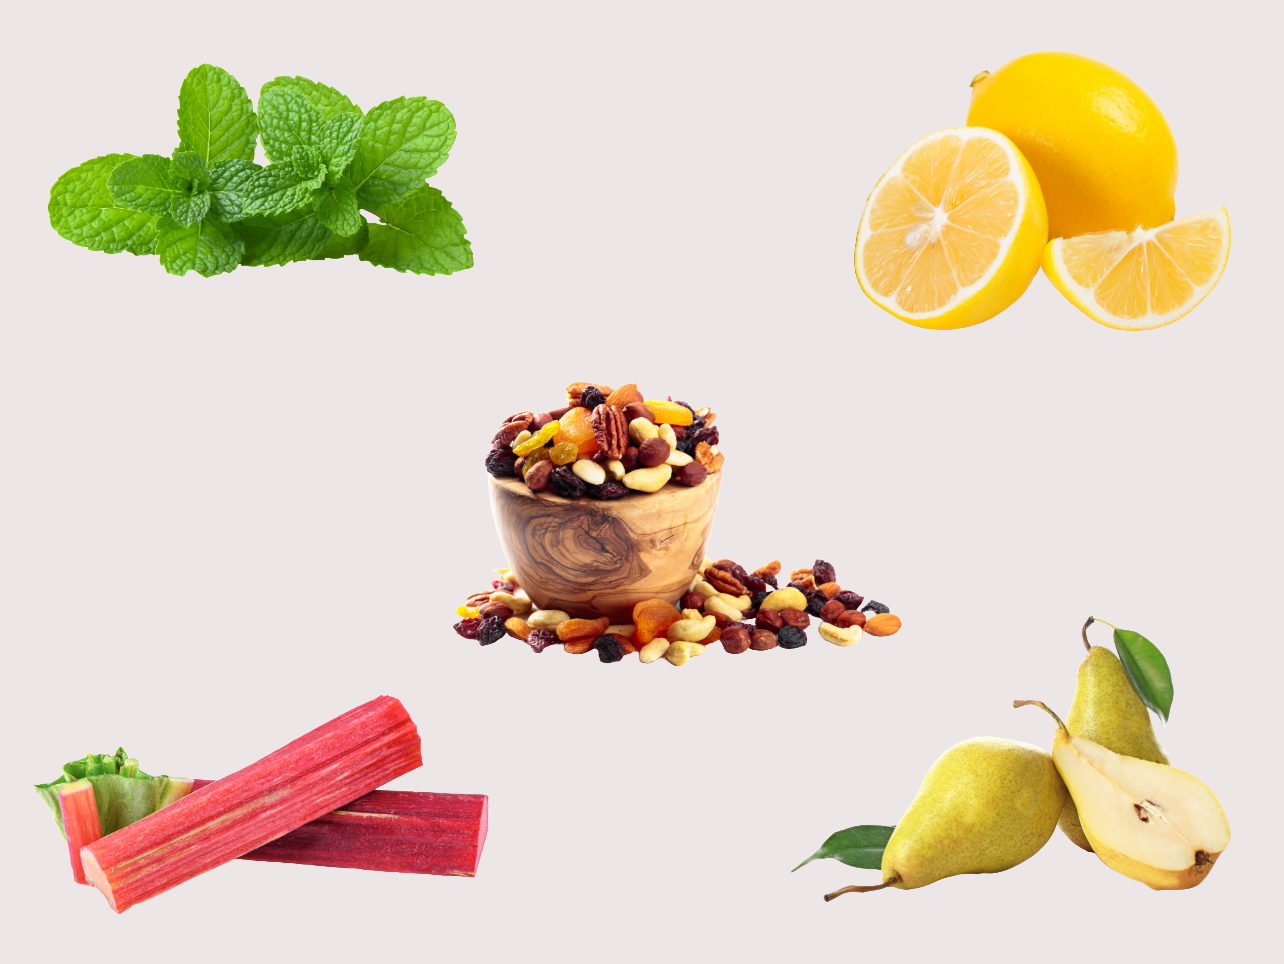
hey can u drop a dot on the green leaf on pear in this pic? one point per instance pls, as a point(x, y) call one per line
point(1147, 670)
point(861, 846)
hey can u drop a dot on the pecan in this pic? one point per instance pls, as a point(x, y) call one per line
point(711, 460)
point(504, 437)
point(806, 583)
point(478, 599)
point(610, 430)
point(798, 574)
point(520, 417)
point(724, 581)
point(770, 569)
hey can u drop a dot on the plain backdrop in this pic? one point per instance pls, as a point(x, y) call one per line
point(234, 508)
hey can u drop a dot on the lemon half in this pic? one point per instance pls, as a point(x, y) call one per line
point(953, 232)
point(1144, 278)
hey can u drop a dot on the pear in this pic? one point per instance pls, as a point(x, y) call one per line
point(1149, 821)
point(1107, 710)
point(985, 805)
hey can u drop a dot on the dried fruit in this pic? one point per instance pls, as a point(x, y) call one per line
point(653, 451)
point(851, 600)
point(669, 412)
point(579, 628)
point(791, 637)
point(537, 478)
point(607, 490)
point(849, 618)
point(538, 440)
point(816, 600)
point(491, 630)
point(706, 434)
point(610, 430)
point(592, 397)
point(609, 647)
point(566, 483)
point(564, 453)
point(653, 617)
point(576, 426)
point(795, 617)
point(540, 639)
point(762, 640)
point(823, 572)
point(877, 607)
point(884, 624)
point(468, 628)
point(499, 462)
point(735, 639)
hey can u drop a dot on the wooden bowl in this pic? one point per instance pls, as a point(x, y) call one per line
point(591, 558)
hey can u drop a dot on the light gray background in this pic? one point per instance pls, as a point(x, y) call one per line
point(235, 508)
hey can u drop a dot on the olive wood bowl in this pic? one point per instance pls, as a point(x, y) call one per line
point(595, 558)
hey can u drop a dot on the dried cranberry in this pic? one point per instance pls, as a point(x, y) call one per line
point(791, 637)
point(491, 630)
point(740, 572)
point(608, 648)
point(749, 614)
point(686, 446)
point(771, 581)
point(679, 431)
point(752, 583)
point(499, 462)
point(684, 405)
point(822, 572)
point(877, 607)
point(566, 483)
point(541, 639)
point(607, 490)
point(503, 586)
point(592, 397)
point(696, 423)
point(468, 628)
point(850, 600)
point(815, 601)
point(708, 435)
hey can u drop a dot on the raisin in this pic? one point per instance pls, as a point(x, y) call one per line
point(607, 490)
point(686, 406)
point(566, 483)
point(468, 628)
point(541, 639)
point(592, 397)
point(749, 614)
point(686, 446)
point(490, 630)
point(822, 572)
point(696, 423)
point(816, 600)
point(758, 597)
point(608, 647)
point(877, 607)
point(564, 453)
point(791, 637)
point(708, 435)
point(770, 580)
point(752, 583)
point(850, 600)
point(740, 573)
point(499, 462)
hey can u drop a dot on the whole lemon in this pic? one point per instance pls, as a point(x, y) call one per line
point(1102, 151)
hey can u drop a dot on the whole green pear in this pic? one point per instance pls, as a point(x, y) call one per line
point(985, 805)
point(1107, 710)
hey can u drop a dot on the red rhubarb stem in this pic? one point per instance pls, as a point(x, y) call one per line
point(80, 820)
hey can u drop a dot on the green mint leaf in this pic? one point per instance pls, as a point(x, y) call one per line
point(187, 209)
point(82, 210)
point(422, 234)
point(286, 121)
point(207, 247)
point(215, 117)
point(856, 847)
point(402, 143)
point(337, 140)
point(143, 184)
point(307, 162)
point(340, 247)
point(1147, 670)
point(228, 180)
point(337, 209)
point(328, 101)
point(280, 239)
point(190, 168)
point(277, 189)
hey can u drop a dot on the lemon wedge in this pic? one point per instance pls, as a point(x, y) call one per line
point(952, 233)
point(1145, 278)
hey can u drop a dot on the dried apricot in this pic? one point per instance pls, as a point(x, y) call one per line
point(576, 426)
point(669, 413)
point(653, 617)
point(578, 628)
point(538, 440)
point(564, 453)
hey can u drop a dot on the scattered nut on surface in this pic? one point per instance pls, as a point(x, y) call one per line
point(735, 639)
point(548, 618)
point(648, 480)
point(787, 598)
point(849, 618)
point(520, 605)
point(883, 624)
point(680, 651)
point(489, 609)
point(690, 630)
point(579, 646)
point(762, 640)
point(840, 636)
point(518, 628)
point(590, 472)
point(654, 650)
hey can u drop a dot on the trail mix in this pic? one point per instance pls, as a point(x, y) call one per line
point(605, 443)
point(725, 604)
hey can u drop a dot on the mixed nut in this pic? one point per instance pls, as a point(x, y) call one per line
point(605, 443)
point(725, 603)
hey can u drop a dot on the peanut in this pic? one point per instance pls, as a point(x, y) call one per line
point(680, 651)
point(520, 605)
point(787, 598)
point(690, 630)
point(840, 637)
point(654, 649)
point(590, 472)
point(547, 618)
point(648, 480)
point(640, 430)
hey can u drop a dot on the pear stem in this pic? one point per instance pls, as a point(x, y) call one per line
point(1087, 645)
point(1042, 706)
point(854, 889)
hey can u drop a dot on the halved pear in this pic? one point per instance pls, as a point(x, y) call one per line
point(1149, 821)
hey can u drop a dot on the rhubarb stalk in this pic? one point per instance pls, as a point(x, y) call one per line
point(80, 820)
point(306, 779)
point(390, 830)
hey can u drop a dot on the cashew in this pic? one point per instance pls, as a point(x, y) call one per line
point(704, 588)
point(691, 630)
point(678, 458)
point(590, 472)
point(648, 480)
point(840, 637)
point(624, 629)
point(692, 614)
point(705, 564)
point(787, 598)
point(695, 581)
point(715, 605)
point(614, 469)
point(653, 650)
point(681, 651)
point(667, 433)
point(640, 430)
point(547, 619)
point(518, 604)
point(740, 602)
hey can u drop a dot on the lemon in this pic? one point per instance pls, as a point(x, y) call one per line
point(1143, 278)
point(1103, 152)
point(952, 233)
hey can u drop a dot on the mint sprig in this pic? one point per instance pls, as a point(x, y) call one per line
point(209, 207)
